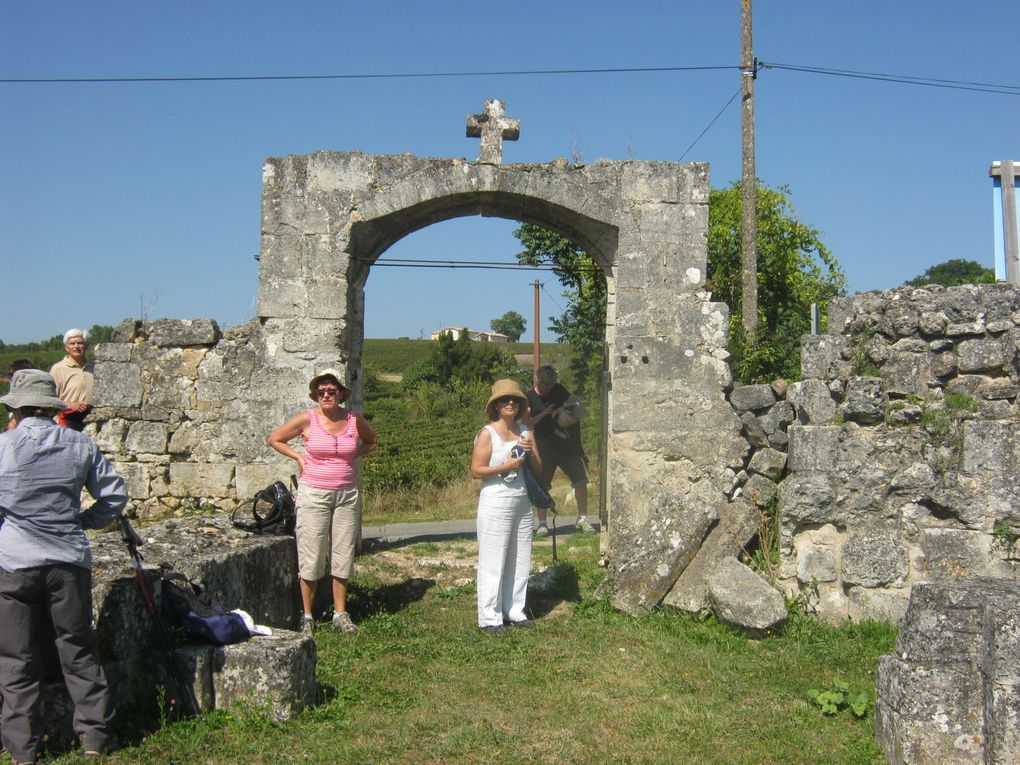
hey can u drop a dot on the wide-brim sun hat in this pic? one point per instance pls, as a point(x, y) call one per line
point(502, 388)
point(339, 378)
point(32, 388)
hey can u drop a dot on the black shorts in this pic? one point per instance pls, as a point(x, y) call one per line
point(569, 460)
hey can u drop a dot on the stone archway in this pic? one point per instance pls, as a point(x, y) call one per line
point(674, 443)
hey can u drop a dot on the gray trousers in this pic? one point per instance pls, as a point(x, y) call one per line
point(26, 596)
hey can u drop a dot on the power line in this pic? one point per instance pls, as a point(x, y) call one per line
point(360, 76)
point(932, 82)
point(497, 265)
point(709, 125)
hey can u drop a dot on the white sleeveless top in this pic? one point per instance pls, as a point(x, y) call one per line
point(503, 486)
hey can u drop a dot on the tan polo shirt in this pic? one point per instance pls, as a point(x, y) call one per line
point(74, 382)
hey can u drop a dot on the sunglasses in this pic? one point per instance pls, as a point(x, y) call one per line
point(327, 392)
point(504, 400)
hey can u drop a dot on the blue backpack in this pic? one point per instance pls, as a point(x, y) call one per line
point(186, 606)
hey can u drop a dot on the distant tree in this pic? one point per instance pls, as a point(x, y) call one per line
point(795, 269)
point(583, 322)
point(954, 272)
point(100, 333)
point(511, 324)
point(462, 360)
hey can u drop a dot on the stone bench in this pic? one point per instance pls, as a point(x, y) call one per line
point(238, 570)
point(951, 693)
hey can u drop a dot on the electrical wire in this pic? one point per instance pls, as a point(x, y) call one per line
point(362, 76)
point(497, 265)
point(932, 82)
point(709, 125)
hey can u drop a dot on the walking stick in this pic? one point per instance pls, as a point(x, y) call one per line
point(185, 691)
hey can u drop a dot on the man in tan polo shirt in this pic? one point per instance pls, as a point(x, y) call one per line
point(73, 375)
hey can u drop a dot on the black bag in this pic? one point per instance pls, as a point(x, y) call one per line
point(538, 496)
point(273, 511)
point(186, 606)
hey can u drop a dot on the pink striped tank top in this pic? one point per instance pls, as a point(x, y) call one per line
point(329, 457)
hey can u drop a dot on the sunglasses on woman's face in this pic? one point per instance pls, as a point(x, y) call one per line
point(327, 392)
point(504, 400)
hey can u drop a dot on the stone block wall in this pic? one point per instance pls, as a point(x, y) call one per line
point(950, 695)
point(183, 411)
point(901, 446)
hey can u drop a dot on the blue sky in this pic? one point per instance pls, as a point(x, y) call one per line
point(123, 199)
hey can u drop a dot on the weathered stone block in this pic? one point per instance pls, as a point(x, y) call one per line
point(738, 524)
point(815, 564)
point(769, 463)
point(984, 356)
point(953, 553)
point(118, 352)
point(812, 401)
point(201, 479)
point(147, 437)
point(929, 714)
point(752, 398)
point(743, 599)
point(813, 447)
point(873, 557)
point(183, 332)
point(866, 400)
point(275, 673)
point(759, 490)
point(117, 385)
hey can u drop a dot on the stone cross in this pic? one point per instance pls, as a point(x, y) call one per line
point(1006, 171)
point(493, 127)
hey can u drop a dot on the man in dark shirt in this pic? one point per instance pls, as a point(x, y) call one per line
point(560, 447)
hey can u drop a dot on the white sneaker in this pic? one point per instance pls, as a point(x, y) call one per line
point(585, 525)
point(342, 621)
point(307, 625)
point(541, 531)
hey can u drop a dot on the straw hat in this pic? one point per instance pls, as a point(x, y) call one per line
point(35, 388)
point(345, 392)
point(506, 388)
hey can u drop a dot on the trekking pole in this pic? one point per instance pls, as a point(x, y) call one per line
point(185, 691)
point(552, 510)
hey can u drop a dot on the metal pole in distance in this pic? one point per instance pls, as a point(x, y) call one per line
point(1007, 171)
point(748, 183)
point(537, 326)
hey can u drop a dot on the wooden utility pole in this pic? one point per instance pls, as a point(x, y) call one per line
point(748, 183)
point(537, 325)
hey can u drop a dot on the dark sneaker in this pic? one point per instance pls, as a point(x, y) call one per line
point(494, 629)
point(523, 623)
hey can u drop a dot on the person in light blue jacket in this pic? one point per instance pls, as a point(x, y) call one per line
point(46, 565)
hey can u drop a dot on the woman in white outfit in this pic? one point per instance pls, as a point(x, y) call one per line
point(504, 511)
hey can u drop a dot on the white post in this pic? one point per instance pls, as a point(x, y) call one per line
point(1005, 173)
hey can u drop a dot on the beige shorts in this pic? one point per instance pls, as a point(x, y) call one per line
point(328, 525)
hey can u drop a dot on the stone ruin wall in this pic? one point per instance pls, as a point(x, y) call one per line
point(181, 410)
point(880, 484)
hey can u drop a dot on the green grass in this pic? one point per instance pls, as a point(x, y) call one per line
point(421, 684)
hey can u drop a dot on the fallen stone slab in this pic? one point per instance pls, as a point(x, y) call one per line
point(742, 599)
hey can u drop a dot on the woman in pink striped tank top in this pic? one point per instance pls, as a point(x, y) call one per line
point(328, 506)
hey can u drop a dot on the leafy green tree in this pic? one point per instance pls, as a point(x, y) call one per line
point(461, 360)
point(953, 272)
point(583, 322)
point(795, 269)
point(511, 324)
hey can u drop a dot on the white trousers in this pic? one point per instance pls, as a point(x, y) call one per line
point(504, 558)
